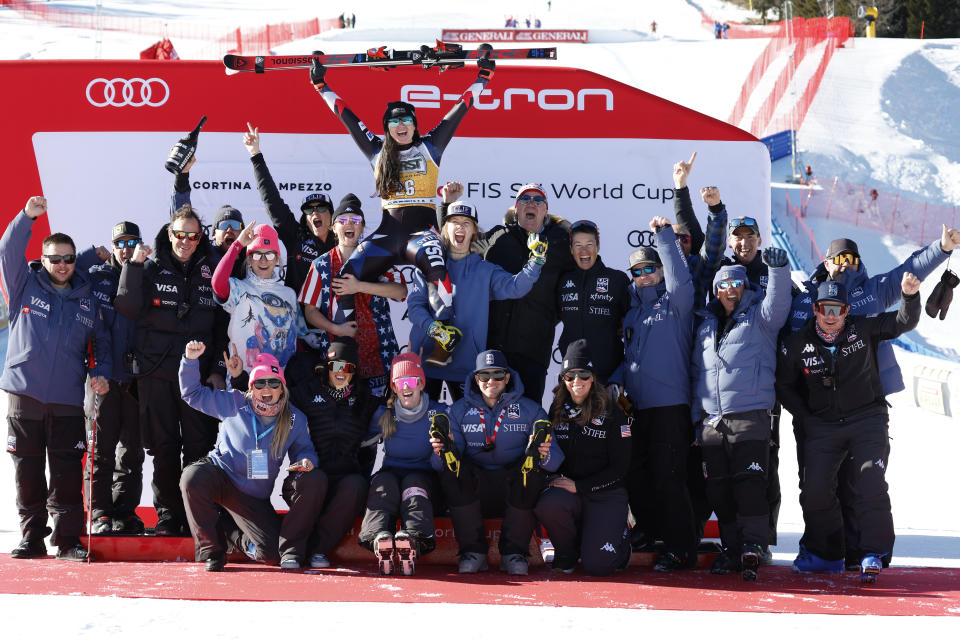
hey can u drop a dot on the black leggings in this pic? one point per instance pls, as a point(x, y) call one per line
point(406, 235)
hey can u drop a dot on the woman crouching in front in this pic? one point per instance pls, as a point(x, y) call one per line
point(257, 430)
point(584, 509)
point(403, 481)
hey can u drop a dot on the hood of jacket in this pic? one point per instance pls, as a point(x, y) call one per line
point(79, 282)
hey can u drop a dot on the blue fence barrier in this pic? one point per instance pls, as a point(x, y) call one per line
point(778, 144)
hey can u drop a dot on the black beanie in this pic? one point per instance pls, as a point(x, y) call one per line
point(349, 204)
point(344, 348)
point(577, 356)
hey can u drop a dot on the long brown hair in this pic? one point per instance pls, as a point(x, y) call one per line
point(387, 171)
point(594, 405)
point(281, 429)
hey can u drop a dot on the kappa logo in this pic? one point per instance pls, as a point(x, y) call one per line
point(81, 445)
point(513, 411)
point(318, 399)
point(755, 466)
point(568, 285)
point(603, 284)
point(473, 411)
point(880, 464)
point(809, 348)
point(608, 547)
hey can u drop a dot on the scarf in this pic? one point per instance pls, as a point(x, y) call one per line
point(411, 415)
point(829, 338)
point(340, 394)
point(263, 409)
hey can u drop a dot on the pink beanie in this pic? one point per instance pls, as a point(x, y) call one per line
point(406, 365)
point(267, 367)
point(265, 240)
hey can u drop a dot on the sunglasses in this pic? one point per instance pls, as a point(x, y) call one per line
point(846, 258)
point(273, 383)
point(190, 236)
point(534, 199)
point(585, 224)
point(396, 122)
point(349, 219)
point(494, 374)
point(407, 382)
point(236, 225)
point(684, 238)
point(831, 309)
point(338, 366)
point(321, 206)
point(263, 255)
point(126, 244)
point(726, 284)
point(573, 374)
point(745, 221)
point(645, 269)
point(70, 258)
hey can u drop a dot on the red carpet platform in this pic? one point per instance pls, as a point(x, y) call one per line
point(928, 592)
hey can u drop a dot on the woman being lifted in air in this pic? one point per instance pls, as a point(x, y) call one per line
point(406, 170)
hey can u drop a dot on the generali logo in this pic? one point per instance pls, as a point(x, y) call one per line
point(428, 96)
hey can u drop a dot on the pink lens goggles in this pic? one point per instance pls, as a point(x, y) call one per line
point(408, 382)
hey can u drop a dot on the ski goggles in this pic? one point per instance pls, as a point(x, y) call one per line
point(588, 226)
point(53, 258)
point(406, 382)
point(223, 225)
point(573, 374)
point(189, 236)
point(402, 120)
point(349, 219)
point(831, 308)
point(262, 255)
point(846, 258)
point(261, 383)
point(493, 374)
point(126, 244)
point(744, 221)
point(526, 197)
point(726, 284)
point(645, 269)
point(341, 366)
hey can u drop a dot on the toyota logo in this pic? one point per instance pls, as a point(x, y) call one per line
point(121, 92)
point(641, 238)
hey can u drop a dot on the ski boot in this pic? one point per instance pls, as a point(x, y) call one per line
point(542, 430)
point(383, 548)
point(870, 568)
point(750, 562)
point(807, 562)
point(405, 549)
point(445, 340)
point(440, 429)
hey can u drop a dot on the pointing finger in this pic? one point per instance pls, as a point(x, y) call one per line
point(692, 158)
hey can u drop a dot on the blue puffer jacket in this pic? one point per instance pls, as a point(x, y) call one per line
point(408, 449)
point(47, 344)
point(737, 373)
point(105, 278)
point(658, 333)
point(869, 297)
point(470, 433)
point(236, 436)
point(478, 282)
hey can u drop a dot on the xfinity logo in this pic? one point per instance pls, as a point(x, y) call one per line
point(427, 96)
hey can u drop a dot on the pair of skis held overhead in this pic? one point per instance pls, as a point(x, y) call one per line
point(443, 56)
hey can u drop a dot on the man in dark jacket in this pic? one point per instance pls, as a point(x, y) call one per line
point(117, 482)
point(171, 298)
point(829, 379)
point(593, 299)
point(305, 239)
point(523, 329)
point(53, 317)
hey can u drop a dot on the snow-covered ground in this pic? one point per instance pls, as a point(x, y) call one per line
point(888, 113)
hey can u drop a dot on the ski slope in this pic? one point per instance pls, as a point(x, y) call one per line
point(887, 114)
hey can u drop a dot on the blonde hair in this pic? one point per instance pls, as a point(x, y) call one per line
point(388, 420)
point(281, 430)
point(445, 238)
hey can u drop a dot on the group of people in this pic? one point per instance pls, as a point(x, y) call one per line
point(221, 362)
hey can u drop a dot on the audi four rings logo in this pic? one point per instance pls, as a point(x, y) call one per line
point(641, 238)
point(127, 92)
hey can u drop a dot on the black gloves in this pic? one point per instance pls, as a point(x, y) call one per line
point(486, 66)
point(317, 71)
point(942, 295)
point(775, 257)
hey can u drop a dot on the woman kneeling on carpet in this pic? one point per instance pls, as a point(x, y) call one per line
point(239, 474)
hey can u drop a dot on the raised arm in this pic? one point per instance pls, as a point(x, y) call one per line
point(676, 274)
point(281, 217)
point(213, 402)
point(682, 207)
point(775, 307)
point(441, 134)
point(895, 323)
point(13, 245)
point(921, 263)
point(129, 299)
point(368, 143)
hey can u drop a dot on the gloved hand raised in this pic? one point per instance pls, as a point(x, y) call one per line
point(775, 257)
point(538, 248)
point(317, 72)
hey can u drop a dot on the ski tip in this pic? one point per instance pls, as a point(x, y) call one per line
point(230, 72)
